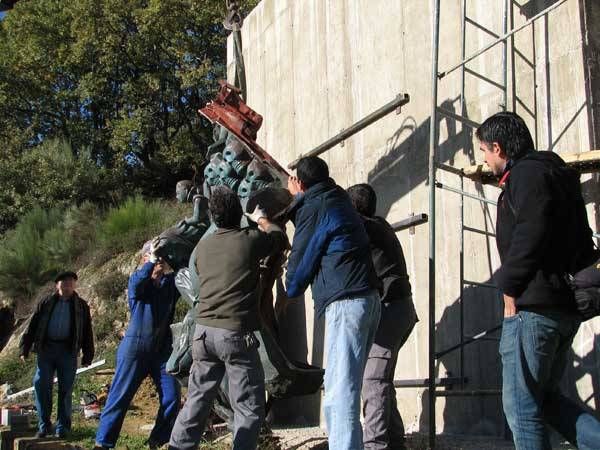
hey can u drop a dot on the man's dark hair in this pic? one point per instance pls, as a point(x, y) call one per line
point(363, 199)
point(509, 131)
point(312, 170)
point(225, 208)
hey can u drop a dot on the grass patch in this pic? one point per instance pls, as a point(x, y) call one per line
point(17, 373)
point(84, 436)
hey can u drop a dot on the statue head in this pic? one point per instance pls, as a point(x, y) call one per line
point(183, 191)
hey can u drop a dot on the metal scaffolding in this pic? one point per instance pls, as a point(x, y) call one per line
point(434, 165)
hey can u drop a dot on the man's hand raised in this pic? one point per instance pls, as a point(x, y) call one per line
point(294, 185)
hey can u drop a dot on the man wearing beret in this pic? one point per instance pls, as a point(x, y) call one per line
point(59, 328)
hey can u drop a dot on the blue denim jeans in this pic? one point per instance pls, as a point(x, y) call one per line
point(60, 359)
point(534, 350)
point(351, 326)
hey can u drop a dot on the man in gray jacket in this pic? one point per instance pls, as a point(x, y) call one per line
point(228, 264)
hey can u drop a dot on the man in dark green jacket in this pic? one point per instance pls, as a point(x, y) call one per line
point(59, 328)
point(228, 264)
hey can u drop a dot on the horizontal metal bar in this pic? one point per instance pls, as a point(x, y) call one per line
point(478, 284)
point(458, 117)
point(451, 169)
point(467, 342)
point(596, 235)
point(417, 219)
point(466, 194)
point(478, 231)
point(500, 39)
point(473, 393)
point(424, 382)
point(401, 99)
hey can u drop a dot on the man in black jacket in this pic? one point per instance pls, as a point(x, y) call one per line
point(383, 426)
point(60, 326)
point(542, 234)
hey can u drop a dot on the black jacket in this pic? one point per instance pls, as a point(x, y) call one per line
point(388, 259)
point(82, 337)
point(542, 231)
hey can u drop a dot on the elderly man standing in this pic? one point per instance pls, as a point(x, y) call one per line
point(60, 326)
point(144, 351)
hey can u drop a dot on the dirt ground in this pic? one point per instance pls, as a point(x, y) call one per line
point(140, 419)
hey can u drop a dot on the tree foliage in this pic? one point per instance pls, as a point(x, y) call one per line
point(119, 80)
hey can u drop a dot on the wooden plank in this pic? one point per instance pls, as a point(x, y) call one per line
point(585, 162)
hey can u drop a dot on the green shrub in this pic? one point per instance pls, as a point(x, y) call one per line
point(128, 226)
point(81, 223)
point(25, 261)
point(45, 242)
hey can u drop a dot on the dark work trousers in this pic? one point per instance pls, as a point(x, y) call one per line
point(383, 426)
point(135, 362)
point(60, 358)
point(217, 351)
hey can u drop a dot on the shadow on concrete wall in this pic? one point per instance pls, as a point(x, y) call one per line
point(402, 169)
point(584, 366)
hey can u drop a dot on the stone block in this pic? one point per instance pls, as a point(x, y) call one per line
point(33, 443)
point(8, 436)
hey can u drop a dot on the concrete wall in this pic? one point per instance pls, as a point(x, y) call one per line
point(316, 66)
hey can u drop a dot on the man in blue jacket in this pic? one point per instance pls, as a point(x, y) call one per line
point(144, 351)
point(331, 252)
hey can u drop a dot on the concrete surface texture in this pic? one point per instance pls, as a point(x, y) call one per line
point(315, 67)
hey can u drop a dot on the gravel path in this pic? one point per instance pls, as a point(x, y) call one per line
point(314, 438)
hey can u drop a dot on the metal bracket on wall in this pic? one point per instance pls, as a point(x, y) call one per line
point(410, 222)
point(394, 105)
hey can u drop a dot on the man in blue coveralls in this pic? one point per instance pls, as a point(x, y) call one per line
point(144, 351)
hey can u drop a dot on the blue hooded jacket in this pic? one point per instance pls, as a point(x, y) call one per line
point(152, 310)
point(330, 250)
